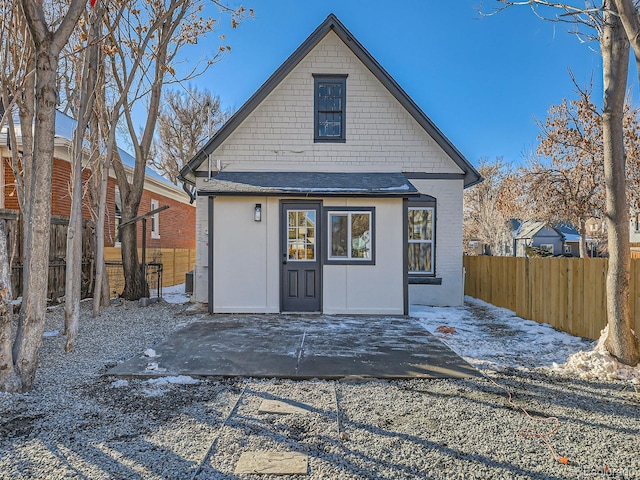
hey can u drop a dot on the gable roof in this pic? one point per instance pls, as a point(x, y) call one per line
point(471, 175)
point(530, 228)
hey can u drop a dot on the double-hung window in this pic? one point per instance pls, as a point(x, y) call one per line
point(421, 237)
point(155, 220)
point(118, 216)
point(350, 233)
point(329, 105)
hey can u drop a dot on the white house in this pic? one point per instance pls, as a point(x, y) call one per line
point(329, 191)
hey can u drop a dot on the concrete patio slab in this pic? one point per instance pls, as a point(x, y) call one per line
point(301, 346)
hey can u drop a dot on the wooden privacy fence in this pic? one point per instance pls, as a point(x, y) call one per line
point(57, 253)
point(176, 262)
point(567, 293)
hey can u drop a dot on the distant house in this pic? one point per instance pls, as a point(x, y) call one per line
point(562, 239)
point(329, 191)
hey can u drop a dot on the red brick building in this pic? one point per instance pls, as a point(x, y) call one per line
point(173, 228)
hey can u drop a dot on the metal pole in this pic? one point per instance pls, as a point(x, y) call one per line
point(144, 248)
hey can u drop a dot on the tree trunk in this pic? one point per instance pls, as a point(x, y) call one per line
point(9, 380)
point(582, 231)
point(26, 109)
point(102, 279)
point(620, 341)
point(135, 283)
point(88, 83)
point(34, 305)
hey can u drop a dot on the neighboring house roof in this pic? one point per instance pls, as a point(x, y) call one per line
point(310, 183)
point(568, 231)
point(471, 175)
point(64, 129)
point(529, 229)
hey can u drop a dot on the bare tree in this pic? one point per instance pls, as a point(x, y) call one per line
point(607, 23)
point(143, 45)
point(486, 216)
point(187, 119)
point(88, 82)
point(18, 372)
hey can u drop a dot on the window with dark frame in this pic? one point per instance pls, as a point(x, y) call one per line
point(421, 239)
point(350, 235)
point(329, 106)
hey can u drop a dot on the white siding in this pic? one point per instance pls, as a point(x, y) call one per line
point(448, 194)
point(246, 256)
point(381, 135)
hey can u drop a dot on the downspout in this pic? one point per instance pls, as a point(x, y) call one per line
point(188, 186)
point(210, 276)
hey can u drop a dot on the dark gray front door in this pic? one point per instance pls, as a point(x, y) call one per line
point(300, 278)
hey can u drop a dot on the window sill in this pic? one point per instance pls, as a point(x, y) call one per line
point(155, 236)
point(420, 280)
point(329, 140)
point(349, 262)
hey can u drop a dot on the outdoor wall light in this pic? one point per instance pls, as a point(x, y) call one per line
point(257, 212)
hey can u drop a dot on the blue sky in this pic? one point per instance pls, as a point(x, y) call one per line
point(482, 80)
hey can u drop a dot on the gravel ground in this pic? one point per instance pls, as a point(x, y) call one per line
point(78, 423)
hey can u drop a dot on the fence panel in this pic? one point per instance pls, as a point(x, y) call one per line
point(57, 253)
point(568, 293)
point(176, 262)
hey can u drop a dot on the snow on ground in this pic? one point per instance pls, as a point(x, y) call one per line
point(173, 294)
point(492, 338)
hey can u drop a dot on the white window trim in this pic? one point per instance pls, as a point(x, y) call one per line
point(567, 249)
point(432, 241)
point(116, 242)
point(155, 224)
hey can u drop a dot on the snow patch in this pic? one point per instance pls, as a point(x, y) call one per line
point(120, 383)
point(151, 353)
point(174, 294)
point(53, 333)
point(173, 380)
point(492, 338)
point(153, 367)
point(597, 364)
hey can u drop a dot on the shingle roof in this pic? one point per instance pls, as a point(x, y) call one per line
point(331, 23)
point(310, 184)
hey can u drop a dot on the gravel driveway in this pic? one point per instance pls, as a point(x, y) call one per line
point(77, 423)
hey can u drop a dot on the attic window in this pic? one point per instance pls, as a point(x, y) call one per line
point(329, 107)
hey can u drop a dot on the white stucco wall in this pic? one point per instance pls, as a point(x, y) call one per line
point(246, 253)
point(247, 266)
point(374, 289)
point(448, 194)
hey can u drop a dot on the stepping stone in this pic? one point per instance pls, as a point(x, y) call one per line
point(276, 406)
point(272, 463)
